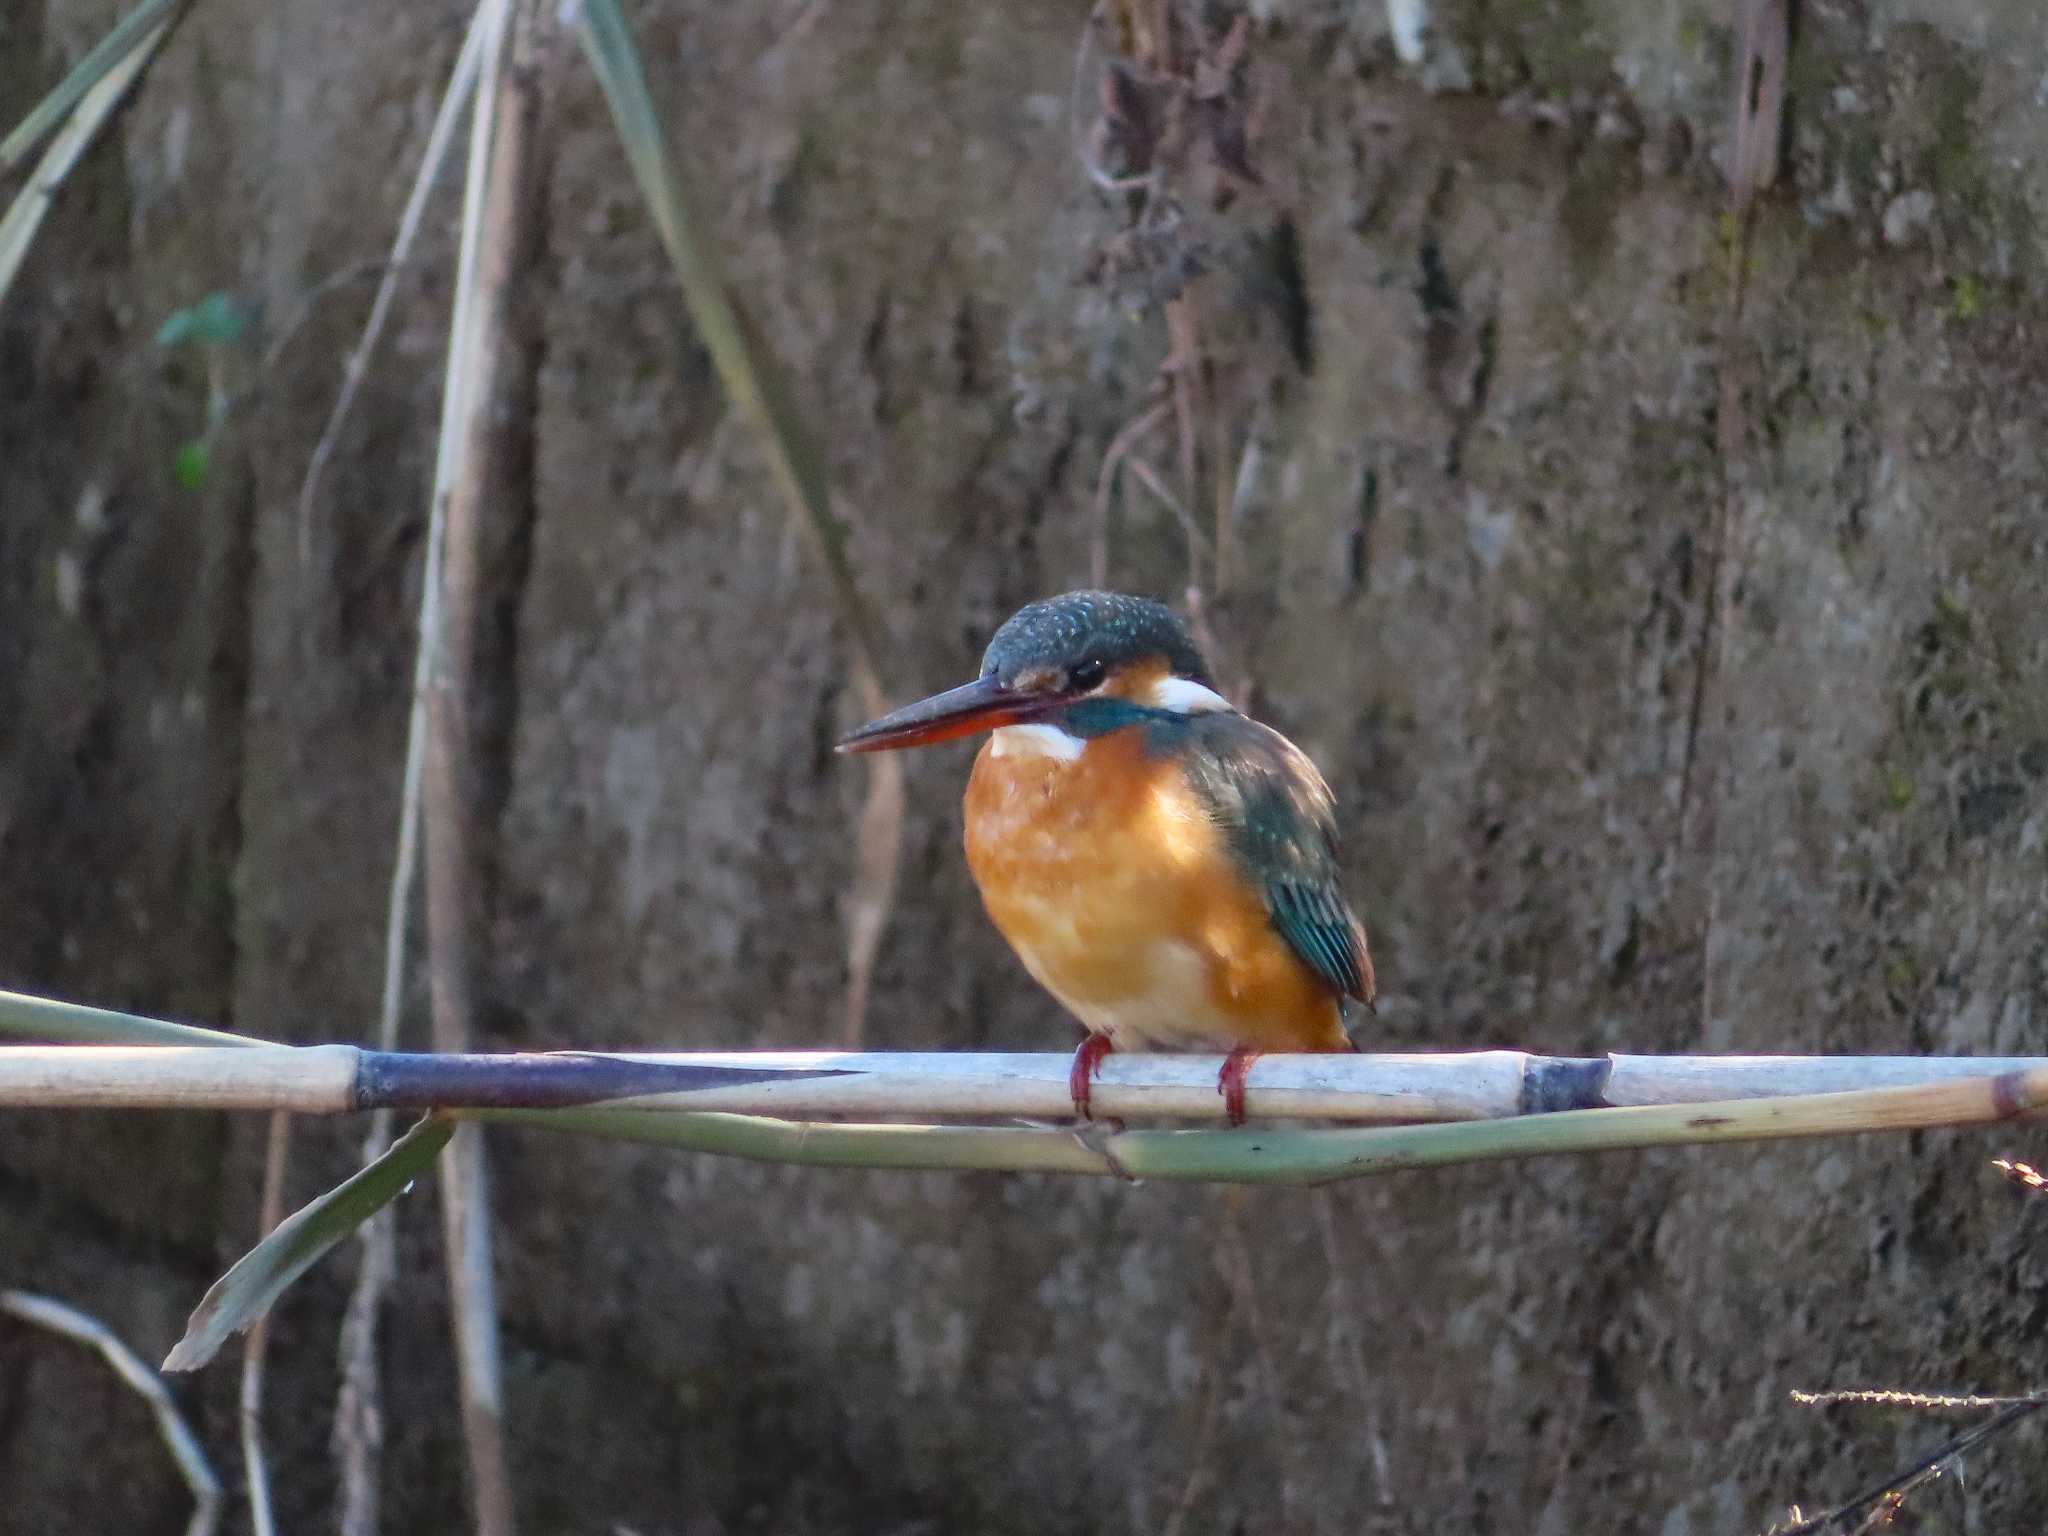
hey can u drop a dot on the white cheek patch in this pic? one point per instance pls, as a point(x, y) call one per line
point(1184, 697)
point(1036, 741)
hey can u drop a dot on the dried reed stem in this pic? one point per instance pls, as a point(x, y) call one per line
point(68, 1322)
point(249, 1406)
point(481, 461)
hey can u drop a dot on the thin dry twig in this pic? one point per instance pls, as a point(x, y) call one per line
point(1224, 488)
point(1759, 99)
point(1179, 98)
point(1092, 167)
point(1128, 436)
point(1759, 104)
point(1237, 1257)
point(1749, 164)
point(1175, 100)
point(359, 1418)
point(1889, 1397)
point(68, 1322)
point(878, 842)
point(1184, 366)
point(1198, 542)
point(461, 83)
point(1343, 1322)
point(256, 1466)
point(1875, 1505)
point(358, 1436)
point(1201, 1471)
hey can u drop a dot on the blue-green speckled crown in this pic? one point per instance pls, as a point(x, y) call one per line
point(1109, 627)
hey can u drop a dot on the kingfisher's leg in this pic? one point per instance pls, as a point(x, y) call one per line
point(1230, 1081)
point(1087, 1063)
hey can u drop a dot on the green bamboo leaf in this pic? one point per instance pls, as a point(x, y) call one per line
point(47, 1020)
point(24, 215)
point(752, 377)
point(127, 36)
point(297, 1243)
point(816, 1144)
point(758, 389)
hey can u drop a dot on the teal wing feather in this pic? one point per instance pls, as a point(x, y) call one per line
point(1280, 822)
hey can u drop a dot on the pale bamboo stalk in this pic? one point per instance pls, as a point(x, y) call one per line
point(303, 1079)
point(1636, 1080)
point(469, 468)
point(1394, 1087)
point(987, 1085)
point(24, 216)
point(68, 1322)
point(1478, 1085)
point(358, 1412)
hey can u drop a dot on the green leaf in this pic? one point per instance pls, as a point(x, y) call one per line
point(47, 1020)
point(818, 1144)
point(751, 375)
point(110, 51)
point(298, 1242)
point(82, 124)
point(218, 318)
point(758, 389)
point(190, 464)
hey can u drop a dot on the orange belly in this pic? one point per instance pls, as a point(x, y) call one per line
point(1118, 894)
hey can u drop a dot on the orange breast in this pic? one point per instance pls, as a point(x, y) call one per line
point(1118, 894)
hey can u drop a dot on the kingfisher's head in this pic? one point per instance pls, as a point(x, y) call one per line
point(1051, 662)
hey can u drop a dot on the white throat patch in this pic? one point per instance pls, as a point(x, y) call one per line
point(1185, 697)
point(1038, 740)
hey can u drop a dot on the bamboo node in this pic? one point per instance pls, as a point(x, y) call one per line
point(2009, 1096)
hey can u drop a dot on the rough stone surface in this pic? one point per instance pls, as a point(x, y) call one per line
point(1470, 556)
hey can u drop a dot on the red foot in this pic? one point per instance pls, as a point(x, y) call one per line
point(1087, 1064)
point(1230, 1081)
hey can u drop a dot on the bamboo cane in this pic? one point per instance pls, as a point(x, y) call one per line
point(1289, 1155)
point(1478, 1085)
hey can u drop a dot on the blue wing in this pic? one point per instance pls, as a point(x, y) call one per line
point(1280, 822)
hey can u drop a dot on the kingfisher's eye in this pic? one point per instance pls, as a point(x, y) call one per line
point(1085, 675)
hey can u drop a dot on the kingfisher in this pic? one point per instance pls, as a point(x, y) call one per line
point(1165, 867)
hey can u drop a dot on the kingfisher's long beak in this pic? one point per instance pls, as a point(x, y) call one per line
point(981, 705)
